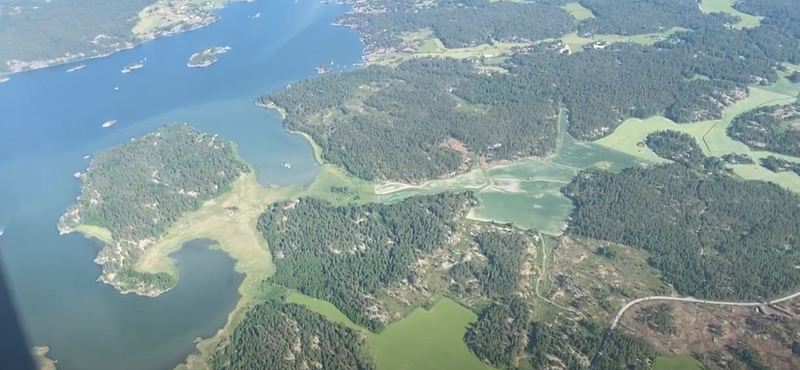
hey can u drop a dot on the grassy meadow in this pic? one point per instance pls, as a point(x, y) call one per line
point(712, 136)
point(577, 11)
point(677, 363)
point(726, 6)
point(424, 340)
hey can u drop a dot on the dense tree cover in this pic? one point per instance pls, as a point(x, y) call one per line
point(603, 87)
point(658, 317)
point(349, 255)
point(734, 158)
point(631, 17)
point(675, 146)
point(381, 123)
point(711, 236)
point(569, 344)
point(278, 336)
point(775, 164)
point(460, 23)
point(42, 29)
point(500, 334)
point(772, 128)
point(137, 190)
point(501, 275)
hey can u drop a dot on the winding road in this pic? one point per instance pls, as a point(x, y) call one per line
point(695, 300)
point(634, 302)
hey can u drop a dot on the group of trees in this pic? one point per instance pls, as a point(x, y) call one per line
point(772, 128)
point(499, 336)
point(497, 277)
point(775, 164)
point(712, 236)
point(279, 336)
point(568, 344)
point(675, 146)
point(137, 190)
point(348, 255)
point(658, 317)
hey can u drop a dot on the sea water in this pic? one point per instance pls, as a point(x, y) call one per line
point(51, 119)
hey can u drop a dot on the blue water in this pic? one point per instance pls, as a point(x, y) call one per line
point(51, 119)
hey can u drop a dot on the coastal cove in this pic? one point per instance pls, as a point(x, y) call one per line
point(53, 127)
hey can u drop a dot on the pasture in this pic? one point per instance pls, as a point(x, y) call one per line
point(726, 6)
point(677, 363)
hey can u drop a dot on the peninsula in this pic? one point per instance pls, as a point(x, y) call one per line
point(129, 205)
point(206, 56)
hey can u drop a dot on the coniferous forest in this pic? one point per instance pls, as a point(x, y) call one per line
point(137, 190)
point(712, 236)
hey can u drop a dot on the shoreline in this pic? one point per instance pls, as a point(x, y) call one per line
point(131, 46)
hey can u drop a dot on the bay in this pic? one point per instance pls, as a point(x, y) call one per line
point(51, 119)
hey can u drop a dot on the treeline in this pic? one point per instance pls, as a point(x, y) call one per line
point(58, 27)
point(137, 190)
point(772, 128)
point(711, 236)
point(498, 277)
point(460, 23)
point(380, 123)
point(349, 255)
point(279, 336)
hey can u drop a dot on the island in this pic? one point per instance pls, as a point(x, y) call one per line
point(322, 69)
point(109, 123)
point(206, 56)
point(133, 67)
point(76, 68)
point(130, 204)
point(40, 357)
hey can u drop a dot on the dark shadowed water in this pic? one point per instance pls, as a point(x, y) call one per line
point(51, 119)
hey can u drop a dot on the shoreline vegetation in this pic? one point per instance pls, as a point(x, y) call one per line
point(206, 56)
point(160, 19)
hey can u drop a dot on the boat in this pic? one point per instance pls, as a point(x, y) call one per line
point(76, 68)
point(109, 123)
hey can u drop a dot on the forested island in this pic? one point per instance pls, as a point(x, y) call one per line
point(206, 56)
point(132, 193)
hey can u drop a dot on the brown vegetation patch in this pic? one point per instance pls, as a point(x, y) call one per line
point(713, 333)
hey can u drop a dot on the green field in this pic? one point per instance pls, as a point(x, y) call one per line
point(726, 6)
point(424, 340)
point(429, 46)
point(712, 136)
point(578, 11)
point(526, 193)
point(677, 363)
point(576, 43)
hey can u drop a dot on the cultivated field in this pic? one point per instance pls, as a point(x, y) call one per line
point(578, 11)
